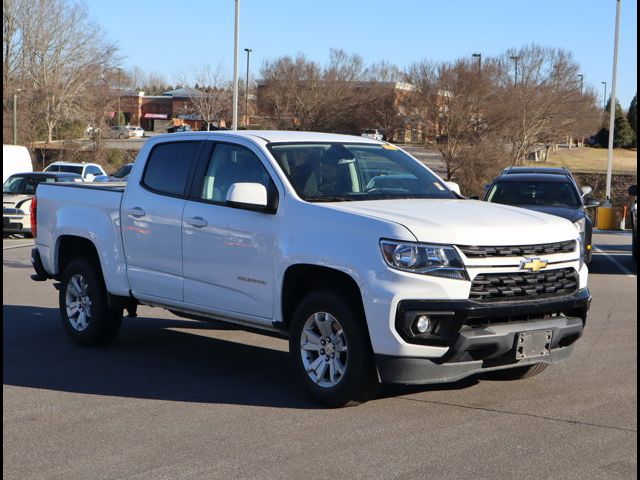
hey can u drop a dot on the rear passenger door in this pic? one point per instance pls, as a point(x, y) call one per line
point(152, 220)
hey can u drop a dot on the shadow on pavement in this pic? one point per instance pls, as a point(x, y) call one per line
point(602, 265)
point(148, 360)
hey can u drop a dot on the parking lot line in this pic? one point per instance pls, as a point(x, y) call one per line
point(18, 246)
point(615, 261)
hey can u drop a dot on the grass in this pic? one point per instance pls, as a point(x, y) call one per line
point(591, 159)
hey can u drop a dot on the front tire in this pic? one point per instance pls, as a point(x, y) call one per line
point(331, 351)
point(519, 373)
point(84, 309)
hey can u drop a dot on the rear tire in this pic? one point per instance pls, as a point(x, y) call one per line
point(84, 309)
point(519, 373)
point(336, 366)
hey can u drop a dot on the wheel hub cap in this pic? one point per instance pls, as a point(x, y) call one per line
point(78, 302)
point(323, 347)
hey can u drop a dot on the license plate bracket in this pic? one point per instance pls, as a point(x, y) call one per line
point(533, 344)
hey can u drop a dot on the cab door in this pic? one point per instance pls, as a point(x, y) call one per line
point(228, 253)
point(151, 220)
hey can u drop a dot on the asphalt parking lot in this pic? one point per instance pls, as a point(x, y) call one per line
point(174, 399)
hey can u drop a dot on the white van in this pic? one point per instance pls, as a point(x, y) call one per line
point(15, 159)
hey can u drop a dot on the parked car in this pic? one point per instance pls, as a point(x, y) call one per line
point(373, 133)
point(137, 132)
point(88, 171)
point(179, 128)
point(547, 190)
point(291, 233)
point(633, 191)
point(15, 159)
point(17, 192)
point(121, 175)
point(119, 132)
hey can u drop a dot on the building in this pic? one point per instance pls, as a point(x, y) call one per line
point(156, 113)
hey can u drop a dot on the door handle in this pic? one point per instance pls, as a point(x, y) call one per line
point(136, 212)
point(197, 222)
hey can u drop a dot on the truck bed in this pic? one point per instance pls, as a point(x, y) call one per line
point(88, 210)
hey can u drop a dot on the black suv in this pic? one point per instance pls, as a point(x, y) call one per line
point(548, 190)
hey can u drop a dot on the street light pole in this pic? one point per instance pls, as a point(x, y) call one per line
point(235, 66)
point(15, 117)
point(612, 107)
point(246, 93)
point(604, 100)
point(479, 57)
point(515, 58)
point(581, 82)
point(119, 91)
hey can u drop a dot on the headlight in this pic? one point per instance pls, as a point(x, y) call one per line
point(438, 260)
point(581, 225)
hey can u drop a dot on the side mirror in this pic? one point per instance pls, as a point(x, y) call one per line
point(591, 203)
point(487, 186)
point(454, 186)
point(586, 191)
point(249, 196)
point(633, 190)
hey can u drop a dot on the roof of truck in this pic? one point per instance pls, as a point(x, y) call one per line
point(277, 136)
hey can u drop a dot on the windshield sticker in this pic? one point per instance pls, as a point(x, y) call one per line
point(388, 146)
point(438, 186)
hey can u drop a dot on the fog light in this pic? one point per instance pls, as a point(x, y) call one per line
point(423, 324)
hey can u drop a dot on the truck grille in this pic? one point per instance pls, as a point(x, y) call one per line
point(519, 251)
point(503, 287)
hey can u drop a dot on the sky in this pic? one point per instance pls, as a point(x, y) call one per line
point(171, 37)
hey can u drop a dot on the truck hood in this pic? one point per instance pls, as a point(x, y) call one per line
point(466, 222)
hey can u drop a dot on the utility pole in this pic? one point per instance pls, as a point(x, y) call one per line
point(515, 58)
point(246, 92)
point(612, 108)
point(236, 39)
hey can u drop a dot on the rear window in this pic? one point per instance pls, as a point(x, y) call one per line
point(168, 167)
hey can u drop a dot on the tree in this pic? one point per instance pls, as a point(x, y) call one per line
point(213, 95)
point(54, 54)
point(546, 105)
point(632, 117)
point(623, 134)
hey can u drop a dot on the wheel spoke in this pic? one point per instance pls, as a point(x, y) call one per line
point(310, 347)
point(323, 368)
point(322, 324)
point(311, 337)
point(314, 365)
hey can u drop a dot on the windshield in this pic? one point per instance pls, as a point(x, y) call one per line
point(329, 172)
point(123, 171)
point(535, 193)
point(24, 184)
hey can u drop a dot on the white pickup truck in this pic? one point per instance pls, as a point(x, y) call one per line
point(373, 267)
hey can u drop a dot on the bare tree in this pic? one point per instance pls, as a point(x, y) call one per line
point(56, 53)
point(210, 96)
point(546, 104)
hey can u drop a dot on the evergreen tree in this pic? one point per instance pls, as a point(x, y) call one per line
point(632, 117)
point(623, 135)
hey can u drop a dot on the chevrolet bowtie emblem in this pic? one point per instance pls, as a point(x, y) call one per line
point(533, 264)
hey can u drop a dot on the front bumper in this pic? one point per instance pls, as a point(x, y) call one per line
point(482, 337)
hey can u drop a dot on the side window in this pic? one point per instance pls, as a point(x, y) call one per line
point(94, 170)
point(168, 167)
point(231, 164)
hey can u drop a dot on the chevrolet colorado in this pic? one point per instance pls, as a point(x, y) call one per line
point(374, 268)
